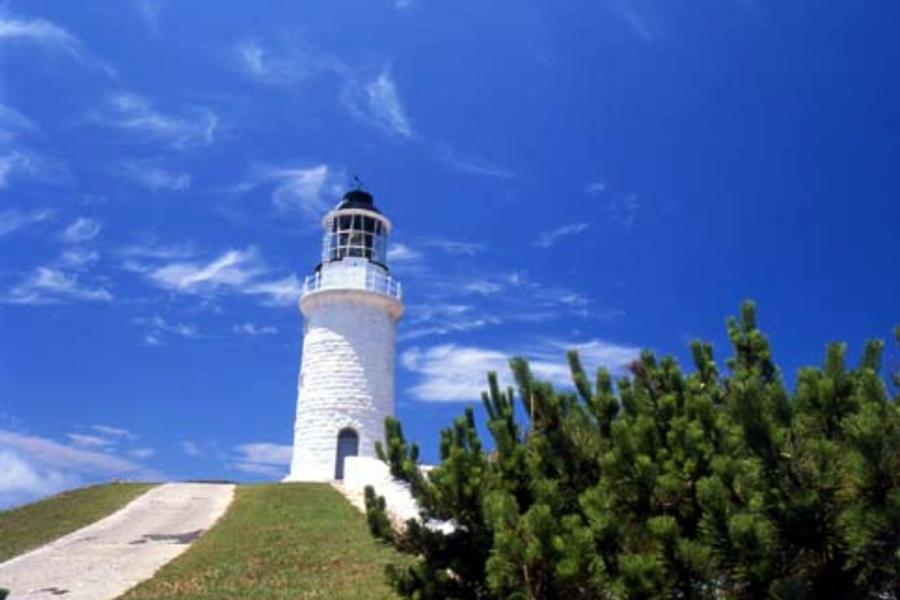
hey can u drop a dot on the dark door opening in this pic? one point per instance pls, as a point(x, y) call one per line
point(347, 445)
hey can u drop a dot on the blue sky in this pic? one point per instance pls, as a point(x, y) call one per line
point(609, 175)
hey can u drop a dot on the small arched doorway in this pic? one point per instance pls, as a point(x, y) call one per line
point(347, 445)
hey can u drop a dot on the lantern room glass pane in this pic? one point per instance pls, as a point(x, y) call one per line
point(358, 235)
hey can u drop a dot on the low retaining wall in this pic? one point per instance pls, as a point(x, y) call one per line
point(360, 471)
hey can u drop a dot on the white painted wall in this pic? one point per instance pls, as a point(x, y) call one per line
point(346, 376)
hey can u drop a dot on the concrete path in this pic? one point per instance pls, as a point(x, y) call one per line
point(109, 557)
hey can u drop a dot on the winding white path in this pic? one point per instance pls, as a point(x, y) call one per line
point(107, 558)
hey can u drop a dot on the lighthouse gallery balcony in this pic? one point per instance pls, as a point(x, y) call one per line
point(368, 279)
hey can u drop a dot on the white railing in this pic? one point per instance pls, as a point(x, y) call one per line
point(354, 280)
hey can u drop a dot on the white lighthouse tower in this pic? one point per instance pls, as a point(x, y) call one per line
point(351, 306)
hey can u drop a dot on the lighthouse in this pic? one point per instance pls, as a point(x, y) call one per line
point(350, 306)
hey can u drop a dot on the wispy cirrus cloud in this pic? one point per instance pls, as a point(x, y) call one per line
point(288, 62)
point(371, 98)
point(12, 120)
point(262, 458)
point(464, 295)
point(133, 113)
point(302, 189)
point(191, 448)
point(114, 433)
point(254, 330)
point(17, 159)
point(160, 330)
point(280, 292)
point(233, 272)
point(101, 436)
point(478, 299)
point(621, 208)
point(82, 229)
point(448, 155)
point(401, 253)
point(39, 31)
point(638, 17)
point(78, 258)
point(19, 162)
point(233, 269)
point(307, 190)
point(69, 278)
point(547, 238)
point(150, 12)
point(53, 285)
point(454, 373)
point(47, 34)
point(155, 178)
point(385, 105)
point(151, 248)
point(13, 220)
point(456, 247)
point(376, 102)
point(595, 188)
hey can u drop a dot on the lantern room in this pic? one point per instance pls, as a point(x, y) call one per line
point(355, 228)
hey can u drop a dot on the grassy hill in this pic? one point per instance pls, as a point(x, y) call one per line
point(275, 541)
point(278, 541)
point(33, 525)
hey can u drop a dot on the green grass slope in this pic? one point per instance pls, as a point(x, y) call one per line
point(32, 525)
point(289, 540)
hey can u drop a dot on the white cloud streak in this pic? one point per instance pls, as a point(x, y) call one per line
point(11, 119)
point(79, 258)
point(301, 189)
point(305, 190)
point(253, 330)
point(269, 460)
point(547, 238)
point(49, 35)
point(401, 253)
point(156, 179)
point(150, 11)
point(19, 162)
point(136, 114)
point(377, 102)
point(234, 271)
point(638, 18)
point(385, 105)
point(160, 330)
point(13, 220)
point(150, 248)
point(50, 285)
point(289, 63)
point(449, 156)
point(455, 247)
point(83, 229)
point(39, 31)
point(622, 211)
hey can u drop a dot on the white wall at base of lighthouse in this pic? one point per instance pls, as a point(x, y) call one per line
point(346, 376)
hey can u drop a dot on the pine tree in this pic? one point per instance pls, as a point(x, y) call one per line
point(664, 485)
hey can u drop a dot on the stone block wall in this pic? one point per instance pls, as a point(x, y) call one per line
point(346, 377)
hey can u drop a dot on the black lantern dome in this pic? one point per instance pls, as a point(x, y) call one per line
point(358, 199)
